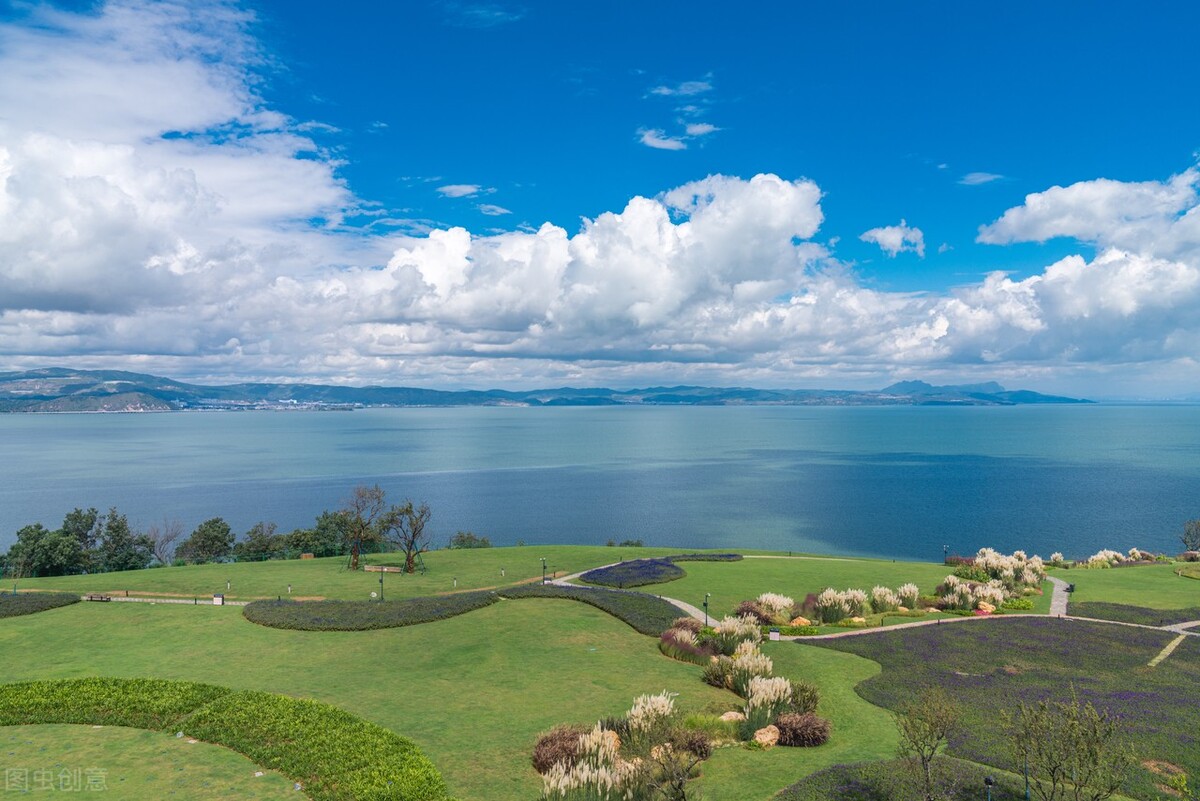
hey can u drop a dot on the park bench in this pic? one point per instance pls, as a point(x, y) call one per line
point(97, 597)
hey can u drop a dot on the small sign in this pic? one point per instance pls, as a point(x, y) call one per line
point(218, 600)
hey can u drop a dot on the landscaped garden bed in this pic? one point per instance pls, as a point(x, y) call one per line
point(27, 603)
point(364, 615)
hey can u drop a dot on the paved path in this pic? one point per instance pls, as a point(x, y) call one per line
point(1167, 651)
point(1058, 599)
point(189, 601)
point(683, 606)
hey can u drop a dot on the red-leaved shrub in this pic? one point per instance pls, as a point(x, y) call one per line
point(560, 744)
point(804, 731)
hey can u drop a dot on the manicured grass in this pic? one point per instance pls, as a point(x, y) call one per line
point(473, 691)
point(992, 665)
point(882, 781)
point(1189, 570)
point(136, 765)
point(733, 582)
point(364, 615)
point(860, 730)
point(475, 568)
point(1153, 586)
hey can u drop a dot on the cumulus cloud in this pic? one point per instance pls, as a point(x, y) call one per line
point(895, 239)
point(659, 140)
point(977, 178)
point(197, 232)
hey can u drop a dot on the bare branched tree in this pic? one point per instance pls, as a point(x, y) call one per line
point(404, 527)
point(162, 539)
point(365, 519)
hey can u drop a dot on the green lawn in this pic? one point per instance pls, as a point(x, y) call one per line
point(130, 764)
point(1152, 586)
point(473, 691)
point(732, 582)
point(328, 578)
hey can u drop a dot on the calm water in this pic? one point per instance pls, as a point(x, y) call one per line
point(899, 482)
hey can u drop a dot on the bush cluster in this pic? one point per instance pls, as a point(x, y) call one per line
point(333, 754)
point(364, 615)
point(705, 557)
point(27, 603)
point(645, 613)
point(1017, 604)
point(636, 573)
point(803, 730)
point(560, 744)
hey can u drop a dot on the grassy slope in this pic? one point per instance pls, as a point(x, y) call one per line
point(732, 582)
point(1153, 586)
point(473, 691)
point(473, 568)
point(139, 765)
point(860, 730)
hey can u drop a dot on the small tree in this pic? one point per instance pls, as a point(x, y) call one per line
point(1191, 535)
point(1074, 751)
point(119, 547)
point(925, 726)
point(404, 527)
point(212, 539)
point(364, 514)
point(260, 542)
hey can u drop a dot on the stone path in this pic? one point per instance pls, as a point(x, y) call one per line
point(1058, 599)
point(1167, 651)
point(189, 601)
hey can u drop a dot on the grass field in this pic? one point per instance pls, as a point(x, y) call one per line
point(993, 665)
point(1152, 586)
point(130, 764)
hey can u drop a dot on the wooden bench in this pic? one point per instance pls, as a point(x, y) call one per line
point(97, 597)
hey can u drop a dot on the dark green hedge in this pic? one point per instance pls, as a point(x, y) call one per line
point(334, 755)
point(26, 603)
point(364, 615)
point(705, 557)
point(645, 613)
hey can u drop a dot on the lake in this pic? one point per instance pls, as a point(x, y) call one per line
point(900, 482)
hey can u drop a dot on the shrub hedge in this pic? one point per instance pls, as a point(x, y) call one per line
point(364, 615)
point(334, 755)
point(27, 603)
point(647, 614)
point(636, 573)
point(705, 557)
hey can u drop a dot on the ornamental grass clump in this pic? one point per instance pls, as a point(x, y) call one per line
point(650, 714)
point(909, 595)
point(1015, 571)
point(831, 606)
point(748, 665)
point(598, 772)
point(802, 730)
point(884, 600)
point(856, 602)
point(766, 699)
point(1103, 559)
point(730, 631)
point(780, 608)
point(682, 644)
point(560, 744)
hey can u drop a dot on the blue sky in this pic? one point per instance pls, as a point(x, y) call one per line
point(445, 193)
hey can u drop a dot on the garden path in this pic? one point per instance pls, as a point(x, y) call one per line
point(684, 606)
point(1058, 599)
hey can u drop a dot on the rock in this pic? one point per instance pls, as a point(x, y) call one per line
point(767, 736)
point(800, 621)
point(733, 715)
point(613, 739)
point(901, 608)
point(986, 608)
point(858, 620)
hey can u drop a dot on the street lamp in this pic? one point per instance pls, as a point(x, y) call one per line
point(988, 781)
point(706, 597)
point(945, 553)
point(381, 572)
point(543, 570)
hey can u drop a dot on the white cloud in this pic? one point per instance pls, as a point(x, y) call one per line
point(659, 140)
point(978, 178)
point(196, 254)
point(896, 239)
point(685, 89)
point(700, 128)
point(492, 210)
point(460, 190)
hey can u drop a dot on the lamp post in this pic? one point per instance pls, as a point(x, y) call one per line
point(1027, 776)
point(945, 553)
point(543, 570)
point(988, 781)
point(381, 572)
point(706, 596)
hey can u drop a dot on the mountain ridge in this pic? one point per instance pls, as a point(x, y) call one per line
point(59, 389)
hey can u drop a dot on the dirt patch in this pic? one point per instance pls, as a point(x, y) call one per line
point(1160, 768)
point(1011, 670)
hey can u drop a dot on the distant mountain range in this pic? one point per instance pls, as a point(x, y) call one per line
point(65, 390)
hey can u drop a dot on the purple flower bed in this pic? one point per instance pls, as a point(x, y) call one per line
point(995, 665)
point(637, 573)
point(1135, 614)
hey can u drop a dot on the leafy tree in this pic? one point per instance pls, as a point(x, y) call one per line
point(84, 525)
point(404, 527)
point(926, 723)
point(119, 548)
point(466, 539)
point(365, 520)
point(1074, 751)
point(328, 536)
point(162, 539)
point(40, 552)
point(261, 542)
point(212, 539)
point(1191, 535)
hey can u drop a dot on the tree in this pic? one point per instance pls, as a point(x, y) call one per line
point(1074, 751)
point(364, 513)
point(404, 527)
point(261, 542)
point(212, 539)
point(119, 548)
point(162, 539)
point(466, 539)
point(40, 552)
point(328, 536)
point(925, 725)
point(84, 526)
point(1191, 535)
